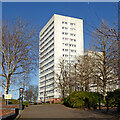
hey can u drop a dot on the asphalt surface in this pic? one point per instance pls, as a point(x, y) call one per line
point(57, 111)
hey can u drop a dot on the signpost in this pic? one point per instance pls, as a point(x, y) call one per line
point(21, 98)
point(7, 97)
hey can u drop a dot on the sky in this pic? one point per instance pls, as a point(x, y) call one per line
point(38, 13)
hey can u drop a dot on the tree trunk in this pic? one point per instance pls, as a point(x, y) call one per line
point(7, 86)
point(104, 90)
point(63, 94)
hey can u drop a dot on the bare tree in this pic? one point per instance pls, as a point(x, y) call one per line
point(104, 43)
point(31, 94)
point(19, 52)
point(85, 68)
point(62, 78)
point(28, 94)
point(35, 93)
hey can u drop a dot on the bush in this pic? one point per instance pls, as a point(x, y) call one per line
point(82, 100)
point(114, 98)
point(26, 103)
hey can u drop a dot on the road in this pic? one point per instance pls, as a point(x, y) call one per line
point(61, 112)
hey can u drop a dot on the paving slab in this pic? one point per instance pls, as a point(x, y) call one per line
point(57, 111)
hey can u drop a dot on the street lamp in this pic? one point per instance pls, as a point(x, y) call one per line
point(75, 76)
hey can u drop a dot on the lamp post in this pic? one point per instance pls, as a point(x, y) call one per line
point(75, 75)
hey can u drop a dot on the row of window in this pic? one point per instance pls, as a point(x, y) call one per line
point(49, 91)
point(64, 22)
point(49, 74)
point(47, 33)
point(71, 45)
point(47, 38)
point(47, 43)
point(49, 80)
point(47, 59)
point(67, 61)
point(66, 28)
point(50, 68)
point(47, 97)
point(47, 49)
point(70, 50)
point(47, 28)
point(47, 65)
point(71, 34)
point(48, 86)
point(64, 55)
point(69, 39)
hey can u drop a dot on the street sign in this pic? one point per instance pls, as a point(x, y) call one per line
point(8, 96)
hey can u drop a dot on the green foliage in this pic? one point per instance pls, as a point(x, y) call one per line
point(26, 103)
point(82, 100)
point(13, 101)
point(114, 98)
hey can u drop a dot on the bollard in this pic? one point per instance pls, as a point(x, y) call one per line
point(107, 104)
point(16, 111)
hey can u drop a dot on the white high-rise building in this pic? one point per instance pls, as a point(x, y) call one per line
point(61, 37)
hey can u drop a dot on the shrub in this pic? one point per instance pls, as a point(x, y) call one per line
point(26, 103)
point(82, 100)
point(114, 98)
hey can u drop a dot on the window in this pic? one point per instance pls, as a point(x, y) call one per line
point(66, 55)
point(65, 28)
point(66, 44)
point(72, 29)
point(66, 61)
point(72, 23)
point(66, 38)
point(72, 34)
point(64, 22)
point(73, 50)
point(66, 49)
point(66, 33)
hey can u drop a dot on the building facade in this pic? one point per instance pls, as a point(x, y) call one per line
point(61, 37)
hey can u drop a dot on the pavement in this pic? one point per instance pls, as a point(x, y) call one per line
point(59, 112)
